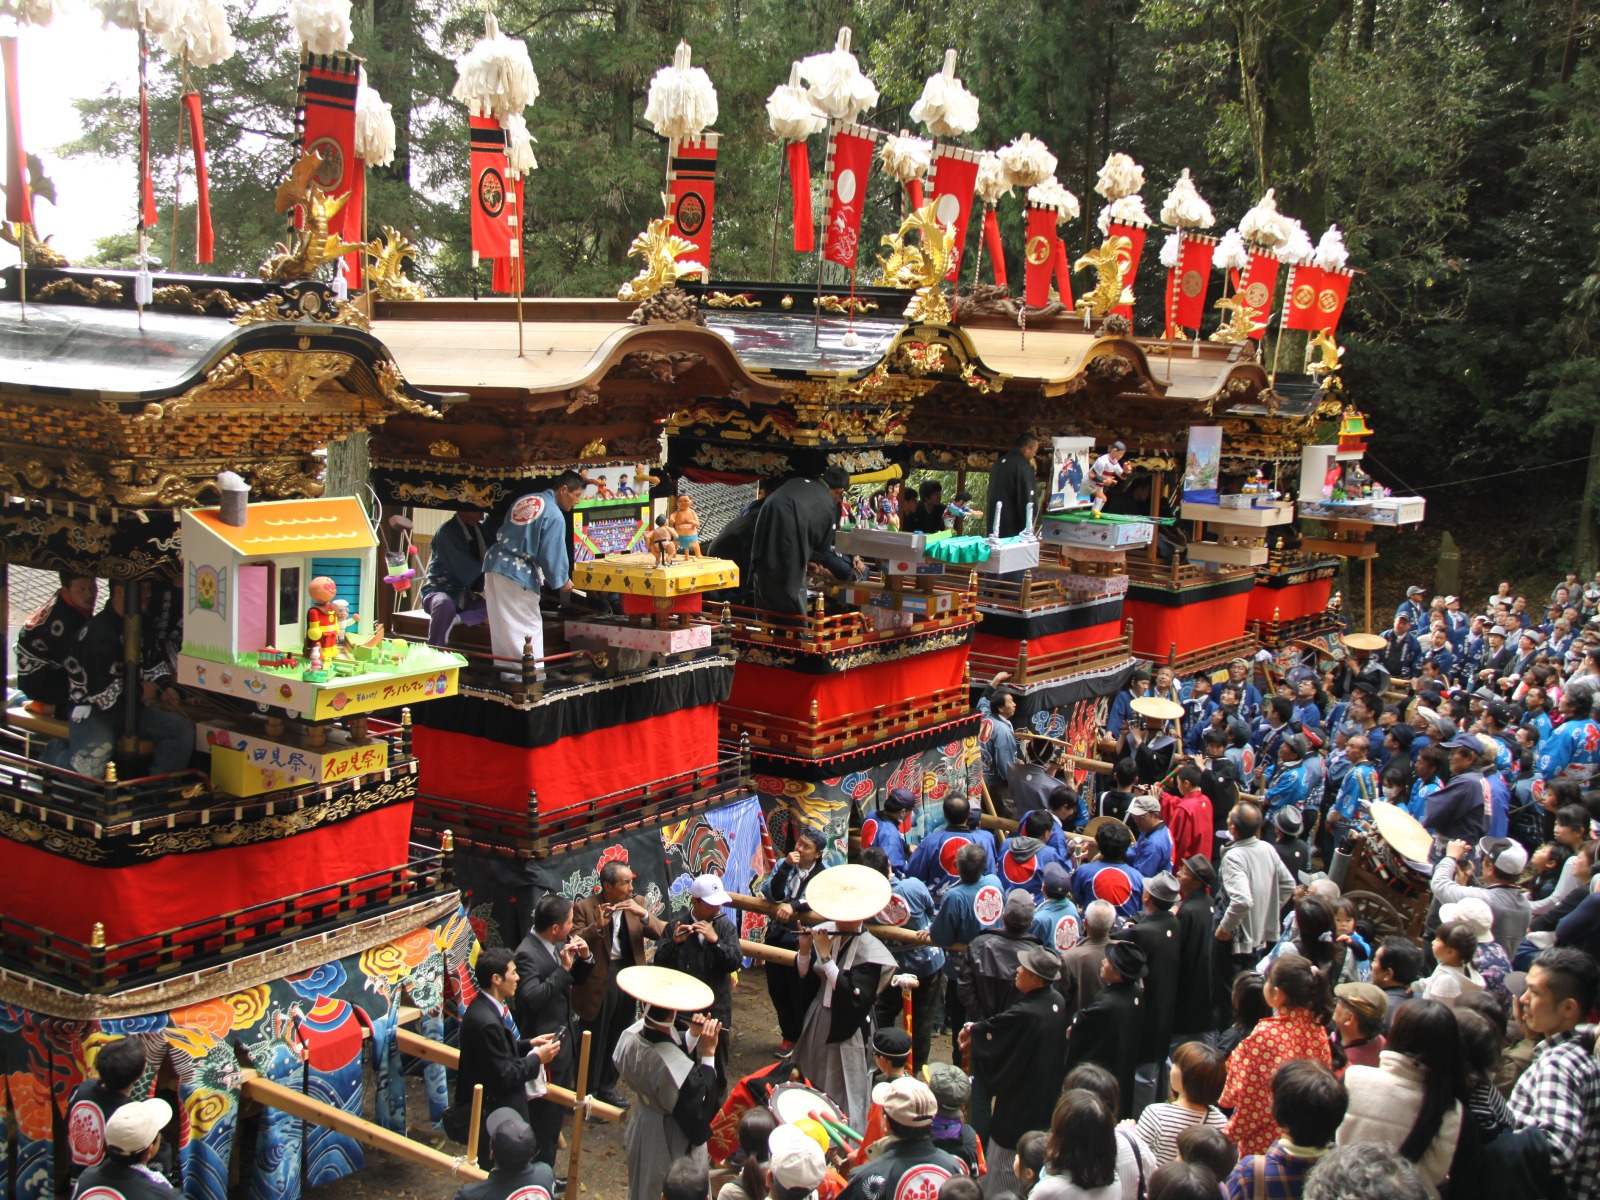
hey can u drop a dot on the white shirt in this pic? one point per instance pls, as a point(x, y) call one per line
point(1107, 467)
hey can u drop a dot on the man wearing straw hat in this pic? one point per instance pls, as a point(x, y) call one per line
point(854, 968)
point(1153, 746)
point(673, 1072)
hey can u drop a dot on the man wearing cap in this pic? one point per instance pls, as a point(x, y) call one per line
point(1411, 608)
point(705, 944)
point(795, 1164)
point(952, 1088)
point(616, 924)
point(891, 1057)
point(1156, 933)
point(1192, 1015)
point(1287, 785)
point(909, 1164)
point(911, 908)
point(1056, 922)
point(1287, 826)
point(674, 1074)
point(1460, 809)
point(1402, 651)
point(1152, 853)
point(1573, 750)
point(881, 828)
point(1108, 1031)
point(1497, 656)
point(1503, 862)
point(133, 1138)
point(1353, 803)
point(1358, 1016)
point(516, 1175)
point(1019, 1057)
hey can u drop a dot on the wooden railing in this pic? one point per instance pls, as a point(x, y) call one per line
point(1177, 574)
point(531, 833)
point(819, 632)
point(1280, 633)
point(98, 967)
point(1027, 669)
point(1206, 657)
point(819, 737)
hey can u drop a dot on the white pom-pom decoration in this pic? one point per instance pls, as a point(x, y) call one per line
point(682, 101)
point(906, 158)
point(1331, 254)
point(495, 78)
point(838, 87)
point(1264, 224)
point(993, 181)
point(1050, 194)
point(374, 126)
point(946, 107)
point(1170, 249)
point(1231, 254)
point(31, 12)
point(199, 31)
point(323, 26)
point(519, 145)
point(1124, 210)
point(1028, 161)
point(790, 112)
point(1185, 208)
point(1297, 249)
point(154, 16)
point(1120, 177)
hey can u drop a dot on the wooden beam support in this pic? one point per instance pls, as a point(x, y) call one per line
point(418, 1046)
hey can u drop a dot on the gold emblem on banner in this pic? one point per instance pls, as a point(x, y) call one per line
point(1257, 296)
point(1327, 300)
point(1038, 249)
point(1193, 283)
point(1304, 296)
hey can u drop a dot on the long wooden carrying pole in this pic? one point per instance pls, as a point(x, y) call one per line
point(476, 1128)
point(418, 1046)
point(884, 933)
point(575, 1146)
point(273, 1095)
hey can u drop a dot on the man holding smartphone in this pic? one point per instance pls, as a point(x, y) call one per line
point(549, 962)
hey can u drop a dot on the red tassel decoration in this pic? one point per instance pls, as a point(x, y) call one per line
point(204, 241)
point(914, 194)
point(997, 251)
point(805, 232)
point(147, 187)
point(1063, 275)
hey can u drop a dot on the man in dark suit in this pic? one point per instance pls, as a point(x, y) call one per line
point(493, 1052)
point(1156, 933)
point(615, 925)
point(550, 961)
point(1107, 1032)
point(1193, 1015)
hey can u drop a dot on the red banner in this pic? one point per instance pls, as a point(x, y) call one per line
point(805, 233)
point(1129, 258)
point(853, 146)
point(914, 197)
point(327, 114)
point(997, 249)
point(955, 172)
point(19, 200)
point(1300, 298)
point(507, 274)
point(1332, 293)
point(492, 199)
point(204, 241)
point(1260, 280)
point(147, 187)
point(1063, 271)
point(692, 179)
point(1186, 283)
point(1040, 254)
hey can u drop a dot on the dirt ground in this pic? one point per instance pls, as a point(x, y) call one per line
point(603, 1171)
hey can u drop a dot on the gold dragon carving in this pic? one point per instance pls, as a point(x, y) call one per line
point(312, 246)
point(1242, 322)
point(659, 248)
point(1109, 291)
point(920, 266)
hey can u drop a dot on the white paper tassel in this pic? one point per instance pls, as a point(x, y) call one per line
point(374, 126)
point(323, 26)
point(1331, 253)
point(519, 145)
point(1264, 224)
point(1185, 208)
point(1050, 194)
point(993, 182)
point(1028, 161)
point(495, 78)
point(1120, 177)
point(905, 157)
point(1297, 248)
point(682, 100)
point(32, 12)
point(838, 87)
point(1231, 254)
point(1125, 210)
point(946, 107)
point(1170, 249)
point(199, 31)
point(155, 16)
point(790, 112)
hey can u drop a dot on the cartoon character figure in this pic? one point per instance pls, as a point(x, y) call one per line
point(686, 524)
point(325, 619)
point(663, 544)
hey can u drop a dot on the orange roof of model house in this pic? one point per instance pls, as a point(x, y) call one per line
point(294, 527)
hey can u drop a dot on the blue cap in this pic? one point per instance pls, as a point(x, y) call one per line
point(1464, 741)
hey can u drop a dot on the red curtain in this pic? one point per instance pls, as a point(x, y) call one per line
point(1297, 600)
point(1052, 643)
point(860, 689)
point(1192, 626)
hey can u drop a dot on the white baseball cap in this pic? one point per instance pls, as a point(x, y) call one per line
point(796, 1160)
point(136, 1124)
point(709, 890)
point(1474, 912)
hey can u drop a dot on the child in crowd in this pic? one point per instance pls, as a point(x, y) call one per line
point(1344, 926)
point(1454, 944)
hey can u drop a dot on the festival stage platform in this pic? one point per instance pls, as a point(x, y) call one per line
point(1188, 618)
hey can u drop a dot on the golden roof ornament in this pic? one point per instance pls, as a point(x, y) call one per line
point(1241, 323)
point(920, 266)
point(660, 249)
point(387, 275)
point(1109, 291)
point(313, 246)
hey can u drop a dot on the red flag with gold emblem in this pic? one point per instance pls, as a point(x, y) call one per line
point(1332, 292)
point(1040, 254)
point(1129, 258)
point(1300, 298)
point(327, 118)
point(955, 172)
point(507, 274)
point(1186, 282)
point(692, 179)
point(1256, 288)
point(491, 196)
point(852, 149)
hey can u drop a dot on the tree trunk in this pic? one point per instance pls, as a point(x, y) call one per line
point(393, 72)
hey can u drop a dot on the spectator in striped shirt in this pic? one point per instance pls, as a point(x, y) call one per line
point(1199, 1073)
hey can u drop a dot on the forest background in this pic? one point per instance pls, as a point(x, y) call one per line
point(1457, 146)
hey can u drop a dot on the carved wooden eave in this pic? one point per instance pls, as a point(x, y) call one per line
point(95, 408)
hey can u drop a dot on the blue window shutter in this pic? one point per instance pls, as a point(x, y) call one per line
point(346, 573)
